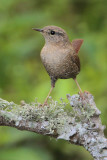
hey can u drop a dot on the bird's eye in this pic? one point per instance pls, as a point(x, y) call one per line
point(52, 32)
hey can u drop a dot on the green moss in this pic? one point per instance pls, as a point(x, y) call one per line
point(58, 115)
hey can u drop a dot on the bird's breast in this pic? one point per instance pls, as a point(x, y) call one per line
point(53, 56)
point(57, 61)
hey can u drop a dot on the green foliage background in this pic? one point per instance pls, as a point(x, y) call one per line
point(23, 77)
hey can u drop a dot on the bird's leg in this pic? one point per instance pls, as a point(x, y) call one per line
point(45, 102)
point(78, 86)
point(81, 93)
point(53, 80)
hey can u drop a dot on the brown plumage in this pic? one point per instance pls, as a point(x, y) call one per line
point(59, 56)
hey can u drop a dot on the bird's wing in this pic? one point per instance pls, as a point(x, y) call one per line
point(76, 44)
point(75, 59)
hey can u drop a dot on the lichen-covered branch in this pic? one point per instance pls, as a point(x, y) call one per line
point(78, 123)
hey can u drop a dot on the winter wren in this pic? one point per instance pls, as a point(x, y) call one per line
point(59, 56)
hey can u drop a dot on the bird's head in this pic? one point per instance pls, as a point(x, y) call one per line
point(53, 34)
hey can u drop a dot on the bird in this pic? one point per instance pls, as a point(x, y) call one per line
point(59, 56)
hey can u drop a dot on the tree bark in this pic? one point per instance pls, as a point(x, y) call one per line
point(78, 123)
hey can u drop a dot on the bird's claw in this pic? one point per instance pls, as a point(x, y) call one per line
point(83, 94)
point(87, 92)
point(44, 104)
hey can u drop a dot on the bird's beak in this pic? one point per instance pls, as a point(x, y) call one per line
point(39, 30)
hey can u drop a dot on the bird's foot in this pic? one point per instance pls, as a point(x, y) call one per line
point(83, 95)
point(44, 104)
point(87, 92)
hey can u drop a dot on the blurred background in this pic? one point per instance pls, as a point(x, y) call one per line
point(23, 77)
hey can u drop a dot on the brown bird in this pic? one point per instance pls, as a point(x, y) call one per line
point(59, 56)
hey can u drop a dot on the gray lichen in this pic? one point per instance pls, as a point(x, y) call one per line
point(78, 123)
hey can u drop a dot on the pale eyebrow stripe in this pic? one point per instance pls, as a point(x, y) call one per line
point(58, 33)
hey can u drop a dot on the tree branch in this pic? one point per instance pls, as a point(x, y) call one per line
point(79, 124)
